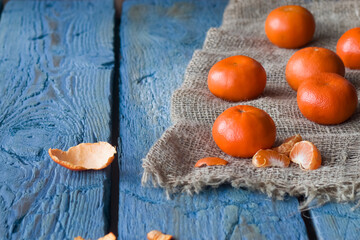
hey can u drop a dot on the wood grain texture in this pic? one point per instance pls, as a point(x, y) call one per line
point(157, 41)
point(337, 221)
point(55, 64)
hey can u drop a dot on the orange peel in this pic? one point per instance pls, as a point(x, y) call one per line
point(85, 156)
point(109, 236)
point(288, 144)
point(157, 235)
point(211, 161)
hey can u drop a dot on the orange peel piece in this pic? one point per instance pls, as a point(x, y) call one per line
point(211, 161)
point(270, 158)
point(288, 144)
point(85, 156)
point(109, 236)
point(307, 155)
point(157, 235)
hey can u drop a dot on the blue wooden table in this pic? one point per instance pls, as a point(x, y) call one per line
point(71, 72)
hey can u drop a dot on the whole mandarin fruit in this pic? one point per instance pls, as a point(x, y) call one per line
point(237, 78)
point(327, 98)
point(348, 48)
point(242, 130)
point(290, 26)
point(309, 61)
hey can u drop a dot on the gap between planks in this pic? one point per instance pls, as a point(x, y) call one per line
point(114, 138)
point(309, 224)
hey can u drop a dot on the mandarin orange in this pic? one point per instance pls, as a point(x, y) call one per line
point(242, 130)
point(290, 26)
point(309, 61)
point(348, 48)
point(327, 98)
point(237, 78)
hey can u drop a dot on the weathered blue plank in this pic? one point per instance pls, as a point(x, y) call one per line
point(337, 221)
point(55, 65)
point(157, 41)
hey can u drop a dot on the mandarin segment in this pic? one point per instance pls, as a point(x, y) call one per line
point(211, 161)
point(242, 130)
point(270, 158)
point(288, 144)
point(85, 156)
point(306, 155)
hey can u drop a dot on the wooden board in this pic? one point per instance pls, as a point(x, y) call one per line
point(337, 221)
point(55, 64)
point(157, 41)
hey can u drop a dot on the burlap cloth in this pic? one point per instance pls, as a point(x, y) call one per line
point(170, 162)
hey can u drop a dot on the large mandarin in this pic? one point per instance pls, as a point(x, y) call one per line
point(242, 130)
point(348, 48)
point(327, 98)
point(237, 78)
point(309, 61)
point(290, 26)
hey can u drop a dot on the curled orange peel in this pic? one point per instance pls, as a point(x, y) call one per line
point(211, 161)
point(85, 156)
point(109, 236)
point(288, 144)
point(157, 235)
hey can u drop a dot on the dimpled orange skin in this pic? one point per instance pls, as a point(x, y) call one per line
point(242, 130)
point(237, 78)
point(348, 48)
point(290, 26)
point(327, 98)
point(309, 61)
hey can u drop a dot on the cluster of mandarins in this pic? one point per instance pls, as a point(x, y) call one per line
point(317, 74)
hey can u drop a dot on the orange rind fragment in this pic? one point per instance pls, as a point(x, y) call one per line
point(288, 144)
point(270, 158)
point(211, 161)
point(85, 156)
point(306, 155)
point(109, 236)
point(157, 235)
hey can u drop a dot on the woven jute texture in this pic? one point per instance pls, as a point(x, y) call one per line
point(170, 162)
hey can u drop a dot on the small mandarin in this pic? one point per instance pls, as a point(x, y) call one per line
point(290, 26)
point(348, 48)
point(309, 61)
point(242, 130)
point(237, 78)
